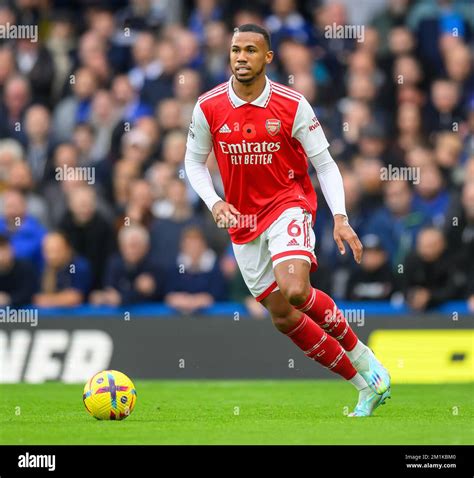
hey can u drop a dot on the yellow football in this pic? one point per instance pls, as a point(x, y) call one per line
point(109, 395)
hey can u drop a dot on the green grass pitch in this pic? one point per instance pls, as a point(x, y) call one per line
point(240, 412)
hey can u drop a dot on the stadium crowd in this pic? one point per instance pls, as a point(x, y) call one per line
point(94, 201)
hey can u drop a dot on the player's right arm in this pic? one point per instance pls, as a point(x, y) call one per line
point(198, 147)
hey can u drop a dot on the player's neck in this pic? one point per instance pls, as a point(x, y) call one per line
point(249, 92)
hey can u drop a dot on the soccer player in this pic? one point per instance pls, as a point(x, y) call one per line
point(263, 134)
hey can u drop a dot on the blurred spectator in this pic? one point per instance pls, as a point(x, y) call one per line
point(166, 232)
point(88, 231)
point(39, 141)
point(459, 68)
point(387, 21)
point(156, 90)
point(196, 281)
point(83, 138)
point(11, 152)
point(217, 43)
point(398, 222)
point(76, 107)
point(20, 178)
point(66, 177)
point(142, 15)
point(429, 275)
point(431, 195)
point(93, 55)
point(159, 176)
point(205, 11)
point(448, 148)
point(441, 19)
point(443, 112)
point(168, 114)
point(17, 277)
point(7, 66)
point(460, 238)
point(137, 147)
point(286, 22)
point(410, 130)
point(368, 172)
point(373, 280)
point(60, 46)
point(373, 144)
point(126, 95)
point(102, 22)
point(16, 97)
point(139, 206)
point(65, 278)
point(174, 148)
point(104, 119)
point(24, 231)
point(147, 67)
point(131, 276)
point(125, 171)
point(186, 90)
point(187, 48)
point(149, 125)
point(36, 64)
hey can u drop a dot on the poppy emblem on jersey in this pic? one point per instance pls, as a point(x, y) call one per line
point(248, 131)
point(272, 126)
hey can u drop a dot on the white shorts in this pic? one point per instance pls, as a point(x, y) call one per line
point(290, 236)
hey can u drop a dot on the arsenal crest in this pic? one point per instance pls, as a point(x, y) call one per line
point(272, 126)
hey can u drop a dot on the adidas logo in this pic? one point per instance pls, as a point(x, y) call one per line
point(225, 129)
point(293, 242)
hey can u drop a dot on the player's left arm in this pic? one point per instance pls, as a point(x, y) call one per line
point(332, 187)
point(308, 131)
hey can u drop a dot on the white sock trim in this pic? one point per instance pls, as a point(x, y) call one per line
point(356, 352)
point(358, 381)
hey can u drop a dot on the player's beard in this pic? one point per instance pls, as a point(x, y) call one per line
point(248, 81)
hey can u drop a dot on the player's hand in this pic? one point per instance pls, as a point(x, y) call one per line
point(225, 214)
point(344, 232)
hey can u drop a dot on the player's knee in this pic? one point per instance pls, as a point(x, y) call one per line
point(283, 324)
point(296, 292)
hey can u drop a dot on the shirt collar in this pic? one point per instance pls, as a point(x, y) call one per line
point(261, 101)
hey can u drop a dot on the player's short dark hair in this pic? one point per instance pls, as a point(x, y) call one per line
point(253, 27)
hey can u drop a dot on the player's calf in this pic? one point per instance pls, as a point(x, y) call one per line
point(312, 339)
point(323, 310)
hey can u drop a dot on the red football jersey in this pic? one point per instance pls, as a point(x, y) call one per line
point(262, 150)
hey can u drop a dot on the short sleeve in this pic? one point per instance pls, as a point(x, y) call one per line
point(308, 131)
point(199, 134)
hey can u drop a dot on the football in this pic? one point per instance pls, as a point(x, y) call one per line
point(109, 395)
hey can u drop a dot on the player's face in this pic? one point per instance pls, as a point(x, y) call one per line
point(249, 56)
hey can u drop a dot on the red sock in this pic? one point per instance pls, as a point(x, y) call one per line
point(322, 309)
point(318, 345)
